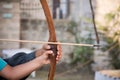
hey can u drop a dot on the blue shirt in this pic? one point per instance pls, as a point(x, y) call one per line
point(2, 64)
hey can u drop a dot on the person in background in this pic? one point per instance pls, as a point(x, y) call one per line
point(21, 65)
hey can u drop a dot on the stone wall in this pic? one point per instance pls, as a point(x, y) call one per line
point(9, 24)
point(102, 60)
point(31, 10)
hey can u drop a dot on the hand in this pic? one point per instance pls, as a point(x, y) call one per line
point(44, 58)
point(59, 53)
point(46, 47)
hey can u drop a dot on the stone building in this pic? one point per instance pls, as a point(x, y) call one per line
point(27, 22)
point(9, 23)
point(28, 15)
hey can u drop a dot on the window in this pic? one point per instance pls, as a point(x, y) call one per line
point(7, 15)
point(7, 6)
point(61, 9)
point(56, 6)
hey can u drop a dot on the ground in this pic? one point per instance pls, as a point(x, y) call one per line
point(82, 74)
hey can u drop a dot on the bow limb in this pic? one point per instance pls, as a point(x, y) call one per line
point(93, 18)
point(52, 38)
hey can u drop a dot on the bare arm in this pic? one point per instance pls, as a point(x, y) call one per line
point(17, 72)
point(20, 71)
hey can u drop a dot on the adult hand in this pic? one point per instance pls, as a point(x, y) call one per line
point(47, 47)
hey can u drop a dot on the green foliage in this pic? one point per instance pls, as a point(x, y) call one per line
point(101, 27)
point(109, 17)
point(115, 54)
point(86, 19)
point(83, 54)
point(118, 9)
point(112, 34)
point(72, 27)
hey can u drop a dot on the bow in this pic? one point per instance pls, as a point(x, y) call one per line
point(52, 38)
point(93, 20)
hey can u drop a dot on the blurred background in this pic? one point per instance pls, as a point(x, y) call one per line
point(73, 20)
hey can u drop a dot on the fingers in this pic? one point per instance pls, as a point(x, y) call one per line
point(49, 52)
point(46, 46)
point(42, 50)
point(59, 47)
point(45, 56)
point(59, 56)
point(59, 53)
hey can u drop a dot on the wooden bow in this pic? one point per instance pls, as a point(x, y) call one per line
point(93, 20)
point(52, 38)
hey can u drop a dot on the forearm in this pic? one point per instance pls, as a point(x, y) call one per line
point(21, 70)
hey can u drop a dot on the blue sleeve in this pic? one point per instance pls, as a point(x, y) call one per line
point(20, 58)
point(2, 64)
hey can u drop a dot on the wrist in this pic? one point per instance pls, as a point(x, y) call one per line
point(38, 53)
point(40, 61)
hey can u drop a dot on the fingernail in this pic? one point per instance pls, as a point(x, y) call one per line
point(51, 52)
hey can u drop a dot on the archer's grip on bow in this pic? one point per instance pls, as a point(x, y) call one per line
point(52, 38)
point(53, 47)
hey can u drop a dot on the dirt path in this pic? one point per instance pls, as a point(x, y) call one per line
point(42, 75)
